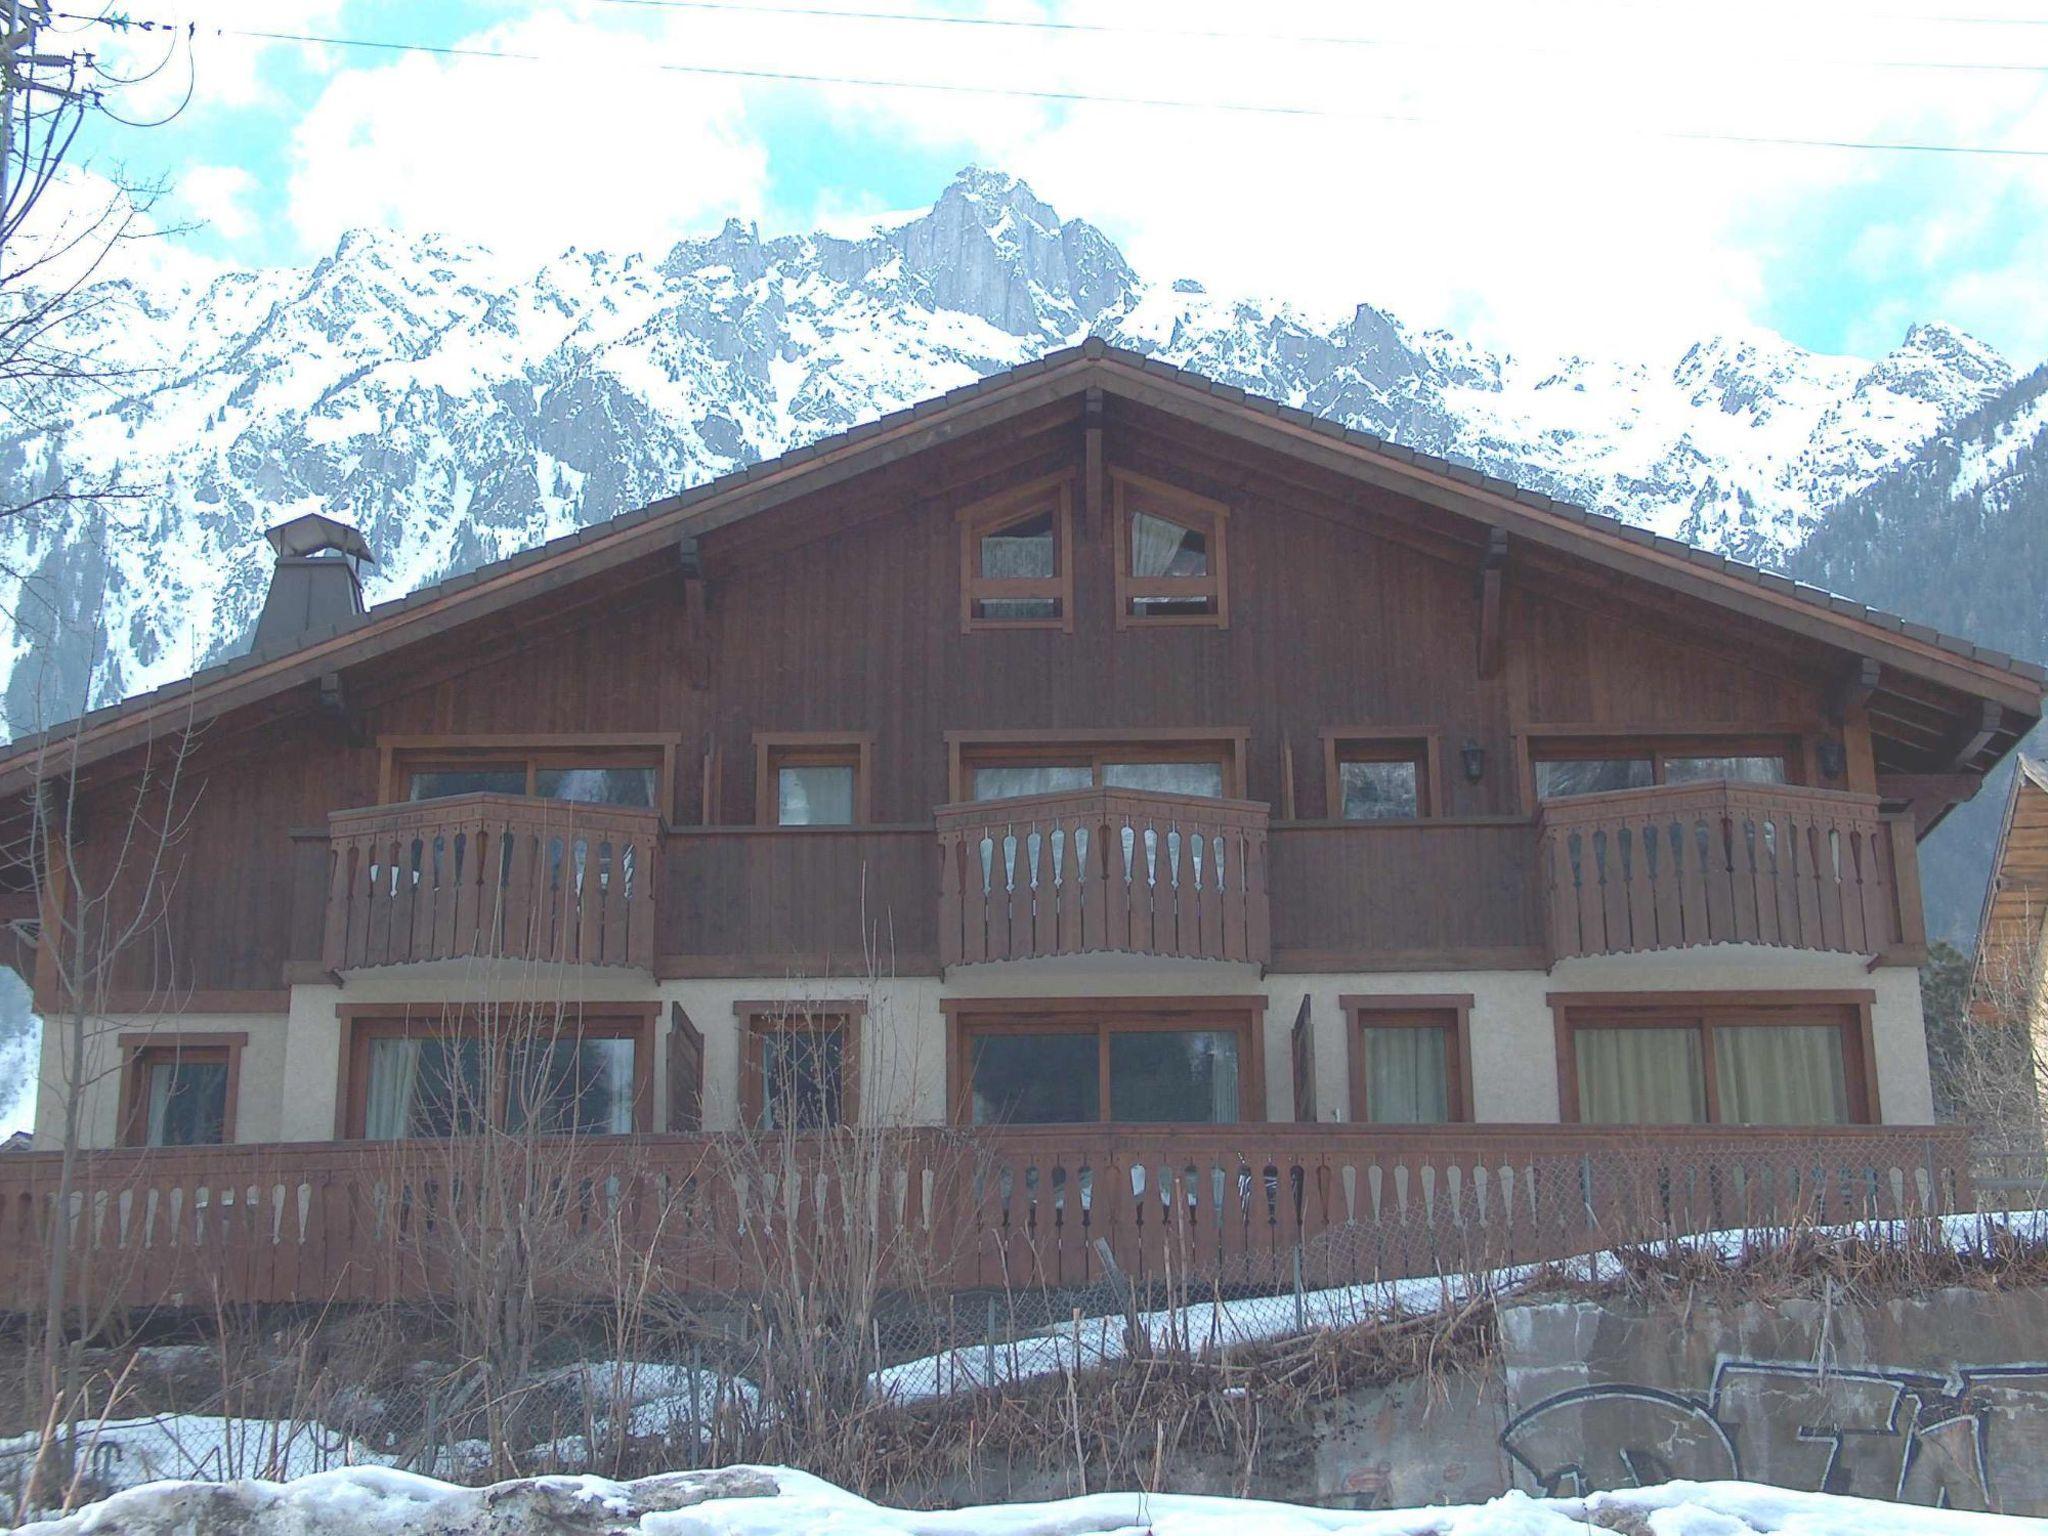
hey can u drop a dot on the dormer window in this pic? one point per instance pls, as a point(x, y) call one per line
point(1169, 555)
point(1016, 566)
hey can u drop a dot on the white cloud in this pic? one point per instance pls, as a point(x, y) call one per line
point(530, 158)
point(1518, 171)
point(219, 195)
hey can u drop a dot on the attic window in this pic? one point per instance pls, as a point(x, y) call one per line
point(1169, 555)
point(1016, 567)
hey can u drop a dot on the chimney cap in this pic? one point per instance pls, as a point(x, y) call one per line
point(311, 532)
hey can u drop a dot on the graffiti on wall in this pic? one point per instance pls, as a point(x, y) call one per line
point(1977, 1439)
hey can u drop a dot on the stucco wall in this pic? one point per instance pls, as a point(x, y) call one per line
point(260, 1102)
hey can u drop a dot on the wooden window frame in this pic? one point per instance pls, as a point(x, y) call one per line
point(1450, 1012)
point(1053, 493)
point(360, 1024)
point(399, 757)
point(1103, 1017)
point(1190, 511)
point(1707, 1012)
point(1591, 743)
point(967, 750)
point(143, 1049)
point(1421, 746)
point(776, 750)
point(761, 1017)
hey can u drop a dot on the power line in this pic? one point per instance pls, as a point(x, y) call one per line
point(1222, 34)
point(1170, 103)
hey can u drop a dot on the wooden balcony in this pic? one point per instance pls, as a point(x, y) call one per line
point(1103, 870)
point(1727, 863)
point(1235, 1205)
point(490, 876)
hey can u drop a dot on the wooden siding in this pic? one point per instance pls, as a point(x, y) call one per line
point(1349, 606)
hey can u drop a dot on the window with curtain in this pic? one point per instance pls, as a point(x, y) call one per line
point(184, 1097)
point(1014, 564)
point(814, 794)
point(583, 778)
point(1055, 1072)
point(806, 780)
point(1728, 1064)
point(579, 1078)
point(1581, 768)
point(1169, 554)
point(425, 1086)
point(1407, 1074)
point(1160, 771)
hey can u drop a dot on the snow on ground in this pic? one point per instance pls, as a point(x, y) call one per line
point(1211, 1324)
point(779, 1502)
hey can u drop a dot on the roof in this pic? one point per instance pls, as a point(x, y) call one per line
point(2016, 897)
point(1743, 589)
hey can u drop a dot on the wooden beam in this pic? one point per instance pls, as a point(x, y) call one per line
point(696, 614)
point(1951, 788)
point(1852, 690)
point(1492, 576)
point(1091, 462)
point(1972, 735)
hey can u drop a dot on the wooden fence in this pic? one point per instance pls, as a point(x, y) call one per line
point(1245, 1206)
point(1727, 863)
point(1103, 869)
point(491, 876)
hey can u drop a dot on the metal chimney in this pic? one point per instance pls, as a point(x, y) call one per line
point(317, 586)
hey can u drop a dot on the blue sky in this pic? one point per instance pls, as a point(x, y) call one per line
point(1527, 173)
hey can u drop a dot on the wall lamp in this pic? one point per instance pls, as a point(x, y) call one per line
point(1474, 756)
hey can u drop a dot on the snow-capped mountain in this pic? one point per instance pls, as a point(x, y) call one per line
point(458, 410)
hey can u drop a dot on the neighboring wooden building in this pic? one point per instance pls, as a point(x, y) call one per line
point(1091, 744)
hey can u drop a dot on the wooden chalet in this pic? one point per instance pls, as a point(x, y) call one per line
point(1117, 763)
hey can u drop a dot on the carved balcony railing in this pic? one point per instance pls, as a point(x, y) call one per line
point(1103, 870)
point(1727, 863)
point(491, 876)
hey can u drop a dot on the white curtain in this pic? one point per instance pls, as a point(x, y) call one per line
point(1154, 543)
point(1166, 778)
point(162, 1079)
point(608, 1066)
point(1640, 1076)
point(1026, 556)
point(1223, 1099)
point(1407, 1080)
point(1049, 779)
point(393, 1089)
point(1781, 1074)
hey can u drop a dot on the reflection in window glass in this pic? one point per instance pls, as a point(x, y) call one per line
point(802, 1078)
point(1378, 791)
point(1407, 1075)
point(424, 1087)
point(597, 786)
point(1649, 1076)
point(1166, 778)
point(188, 1103)
point(1781, 1074)
point(437, 784)
point(1559, 777)
point(1007, 783)
point(1021, 551)
point(1741, 770)
point(570, 1086)
point(1017, 608)
point(1036, 1079)
point(820, 795)
point(1170, 1076)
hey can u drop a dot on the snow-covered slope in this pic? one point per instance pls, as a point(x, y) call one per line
point(458, 409)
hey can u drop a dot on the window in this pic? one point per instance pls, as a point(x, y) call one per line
point(1409, 1058)
point(179, 1090)
point(1170, 565)
point(1378, 775)
point(800, 1065)
point(1199, 763)
point(1133, 1062)
point(1585, 767)
point(434, 1076)
point(630, 773)
point(1683, 1060)
point(812, 779)
point(1016, 568)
